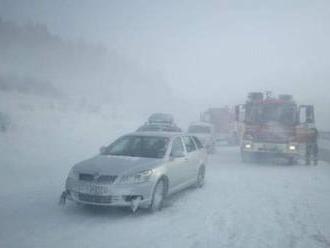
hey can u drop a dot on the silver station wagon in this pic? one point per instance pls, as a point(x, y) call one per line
point(138, 170)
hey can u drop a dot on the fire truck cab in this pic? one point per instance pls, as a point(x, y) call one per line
point(273, 127)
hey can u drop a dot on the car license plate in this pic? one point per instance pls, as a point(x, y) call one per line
point(93, 189)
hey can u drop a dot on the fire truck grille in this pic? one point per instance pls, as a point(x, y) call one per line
point(269, 137)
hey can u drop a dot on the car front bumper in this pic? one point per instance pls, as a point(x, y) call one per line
point(109, 194)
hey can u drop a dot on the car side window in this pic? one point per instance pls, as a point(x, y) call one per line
point(177, 147)
point(190, 146)
point(198, 142)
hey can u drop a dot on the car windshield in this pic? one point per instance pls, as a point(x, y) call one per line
point(282, 113)
point(139, 146)
point(199, 129)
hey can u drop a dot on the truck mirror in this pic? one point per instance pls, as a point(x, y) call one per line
point(310, 114)
point(237, 112)
point(306, 114)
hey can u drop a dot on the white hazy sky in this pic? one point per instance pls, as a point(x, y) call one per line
point(214, 50)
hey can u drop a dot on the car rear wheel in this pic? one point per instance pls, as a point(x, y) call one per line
point(200, 177)
point(158, 196)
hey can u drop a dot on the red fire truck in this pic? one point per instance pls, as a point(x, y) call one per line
point(273, 126)
point(223, 120)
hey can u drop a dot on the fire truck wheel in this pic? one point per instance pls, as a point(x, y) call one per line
point(247, 157)
point(292, 161)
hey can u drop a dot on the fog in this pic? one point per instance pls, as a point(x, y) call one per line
point(77, 74)
point(208, 54)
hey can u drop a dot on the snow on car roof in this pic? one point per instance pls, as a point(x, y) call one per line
point(156, 133)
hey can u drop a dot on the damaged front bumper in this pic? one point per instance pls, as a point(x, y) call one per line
point(132, 195)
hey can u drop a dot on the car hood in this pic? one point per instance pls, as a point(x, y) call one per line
point(116, 165)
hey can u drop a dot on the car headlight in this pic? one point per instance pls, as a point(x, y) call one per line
point(73, 174)
point(141, 177)
point(292, 147)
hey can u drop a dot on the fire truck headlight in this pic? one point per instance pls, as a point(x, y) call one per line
point(292, 147)
point(248, 146)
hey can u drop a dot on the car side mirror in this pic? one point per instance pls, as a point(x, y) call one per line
point(177, 154)
point(103, 150)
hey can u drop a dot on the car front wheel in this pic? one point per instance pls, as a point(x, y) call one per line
point(158, 196)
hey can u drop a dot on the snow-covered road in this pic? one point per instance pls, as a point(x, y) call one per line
point(255, 205)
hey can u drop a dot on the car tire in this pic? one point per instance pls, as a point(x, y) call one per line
point(200, 177)
point(158, 196)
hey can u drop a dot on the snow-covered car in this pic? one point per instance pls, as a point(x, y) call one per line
point(138, 170)
point(205, 133)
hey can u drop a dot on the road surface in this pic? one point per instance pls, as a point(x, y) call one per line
point(254, 205)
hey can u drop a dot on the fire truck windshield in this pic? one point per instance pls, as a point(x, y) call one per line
point(265, 113)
